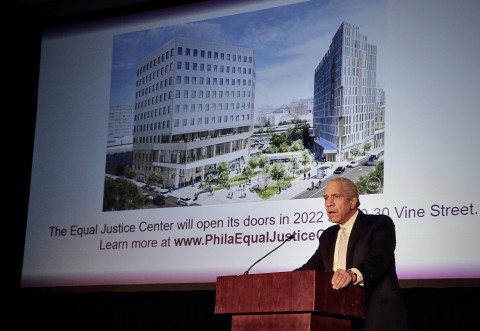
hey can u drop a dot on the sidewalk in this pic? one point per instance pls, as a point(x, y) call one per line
point(238, 195)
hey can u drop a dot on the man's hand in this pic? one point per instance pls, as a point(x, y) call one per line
point(342, 278)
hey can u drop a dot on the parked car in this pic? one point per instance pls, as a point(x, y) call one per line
point(184, 201)
point(165, 193)
point(352, 164)
point(339, 170)
point(372, 160)
point(148, 196)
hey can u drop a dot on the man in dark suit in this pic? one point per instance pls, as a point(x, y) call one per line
point(369, 260)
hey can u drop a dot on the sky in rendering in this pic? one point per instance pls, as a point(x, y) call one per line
point(289, 41)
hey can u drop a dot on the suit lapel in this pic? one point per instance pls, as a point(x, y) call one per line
point(355, 233)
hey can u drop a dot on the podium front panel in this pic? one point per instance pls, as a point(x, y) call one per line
point(287, 292)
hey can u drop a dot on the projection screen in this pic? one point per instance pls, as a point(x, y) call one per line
point(157, 155)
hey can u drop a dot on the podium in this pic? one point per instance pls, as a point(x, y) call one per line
point(295, 300)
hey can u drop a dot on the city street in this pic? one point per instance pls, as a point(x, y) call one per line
point(300, 188)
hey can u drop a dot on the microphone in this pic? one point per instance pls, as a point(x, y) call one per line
point(289, 237)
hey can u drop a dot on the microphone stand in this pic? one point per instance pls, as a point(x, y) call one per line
point(289, 237)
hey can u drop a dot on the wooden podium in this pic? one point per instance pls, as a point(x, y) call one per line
point(296, 300)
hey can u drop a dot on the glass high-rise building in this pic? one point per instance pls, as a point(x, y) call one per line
point(344, 95)
point(193, 109)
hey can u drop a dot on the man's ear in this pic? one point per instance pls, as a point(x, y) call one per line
point(353, 202)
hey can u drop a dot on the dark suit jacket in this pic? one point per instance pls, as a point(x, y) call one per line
point(371, 249)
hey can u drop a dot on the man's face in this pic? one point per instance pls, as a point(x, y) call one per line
point(339, 206)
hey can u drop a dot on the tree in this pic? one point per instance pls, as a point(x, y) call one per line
point(222, 169)
point(295, 165)
point(278, 172)
point(154, 178)
point(355, 151)
point(306, 137)
point(210, 180)
point(296, 146)
point(366, 146)
point(306, 158)
point(122, 194)
point(263, 162)
point(253, 163)
point(301, 131)
point(264, 177)
point(278, 139)
point(247, 172)
point(130, 172)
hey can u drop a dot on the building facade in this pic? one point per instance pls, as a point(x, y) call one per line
point(120, 138)
point(345, 95)
point(193, 109)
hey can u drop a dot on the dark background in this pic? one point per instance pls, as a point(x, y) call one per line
point(431, 308)
point(23, 22)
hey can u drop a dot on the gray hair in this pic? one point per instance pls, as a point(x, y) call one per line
point(349, 187)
